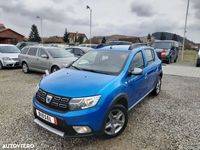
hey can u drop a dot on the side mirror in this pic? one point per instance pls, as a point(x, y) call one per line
point(136, 71)
point(44, 56)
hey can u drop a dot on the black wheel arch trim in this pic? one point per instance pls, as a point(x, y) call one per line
point(114, 102)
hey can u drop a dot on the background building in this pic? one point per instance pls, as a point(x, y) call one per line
point(9, 36)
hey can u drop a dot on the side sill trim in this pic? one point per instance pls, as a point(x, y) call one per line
point(140, 100)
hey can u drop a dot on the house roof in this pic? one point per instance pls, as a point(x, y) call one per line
point(8, 29)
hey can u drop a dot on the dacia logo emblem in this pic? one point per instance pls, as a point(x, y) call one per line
point(48, 99)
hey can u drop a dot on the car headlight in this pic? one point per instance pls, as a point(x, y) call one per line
point(7, 59)
point(83, 103)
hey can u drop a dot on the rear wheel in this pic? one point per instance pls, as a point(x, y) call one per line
point(116, 121)
point(169, 60)
point(54, 69)
point(1, 65)
point(25, 67)
point(176, 59)
point(157, 89)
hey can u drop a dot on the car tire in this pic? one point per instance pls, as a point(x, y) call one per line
point(1, 65)
point(115, 122)
point(157, 88)
point(175, 60)
point(25, 67)
point(54, 69)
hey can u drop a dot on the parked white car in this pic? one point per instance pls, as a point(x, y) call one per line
point(9, 56)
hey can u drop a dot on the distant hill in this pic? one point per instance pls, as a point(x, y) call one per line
point(169, 36)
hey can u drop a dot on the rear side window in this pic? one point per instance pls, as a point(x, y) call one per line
point(138, 61)
point(150, 56)
point(24, 50)
point(78, 52)
point(41, 52)
point(32, 51)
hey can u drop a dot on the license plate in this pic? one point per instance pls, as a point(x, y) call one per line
point(46, 117)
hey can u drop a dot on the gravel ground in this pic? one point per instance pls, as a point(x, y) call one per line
point(169, 121)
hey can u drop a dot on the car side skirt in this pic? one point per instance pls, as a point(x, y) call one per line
point(140, 99)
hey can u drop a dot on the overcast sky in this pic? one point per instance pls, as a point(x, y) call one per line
point(129, 17)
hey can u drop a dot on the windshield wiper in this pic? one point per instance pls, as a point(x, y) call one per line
point(96, 71)
point(77, 68)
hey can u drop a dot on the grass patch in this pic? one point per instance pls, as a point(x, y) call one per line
point(190, 56)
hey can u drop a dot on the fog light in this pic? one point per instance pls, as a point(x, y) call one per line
point(82, 129)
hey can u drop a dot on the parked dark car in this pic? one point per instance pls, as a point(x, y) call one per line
point(167, 50)
point(78, 51)
point(198, 59)
point(88, 45)
point(21, 45)
point(111, 43)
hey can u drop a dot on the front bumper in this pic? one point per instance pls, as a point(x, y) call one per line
point(11, 64)
point(92, 118)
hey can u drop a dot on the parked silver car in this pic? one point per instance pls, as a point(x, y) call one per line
point(40, 58)
point(9, 56)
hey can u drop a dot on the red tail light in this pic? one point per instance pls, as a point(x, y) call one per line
point(163, 53)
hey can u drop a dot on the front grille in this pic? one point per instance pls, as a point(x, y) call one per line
point(15, 59)
point(57, 102)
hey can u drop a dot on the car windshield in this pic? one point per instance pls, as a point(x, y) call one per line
point(59, 53)
point(161, 45)
point(106, 62)
point(9, 49)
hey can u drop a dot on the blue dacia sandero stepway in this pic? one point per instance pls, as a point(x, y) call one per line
point(94, 95)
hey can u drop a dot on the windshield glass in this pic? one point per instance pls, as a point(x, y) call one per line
point(107, 62)
point(162, 45)
point(59, 53)
point(9, 49)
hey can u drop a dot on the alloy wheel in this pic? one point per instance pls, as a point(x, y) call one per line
point(115, 122)
point(158, 86)
point(25, 68)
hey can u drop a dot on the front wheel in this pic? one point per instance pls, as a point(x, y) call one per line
point(25, 67)
point(116, 121)
point(157, 89)
point(1, 65)
point(54, 69)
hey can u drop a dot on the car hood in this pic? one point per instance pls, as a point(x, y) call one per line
point(10, 55)
point(67, 61)
point(75, 83)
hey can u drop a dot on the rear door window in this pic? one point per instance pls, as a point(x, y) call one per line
point(150, 56)
point(41, 52)
point(32, 51)
point(24, 50)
